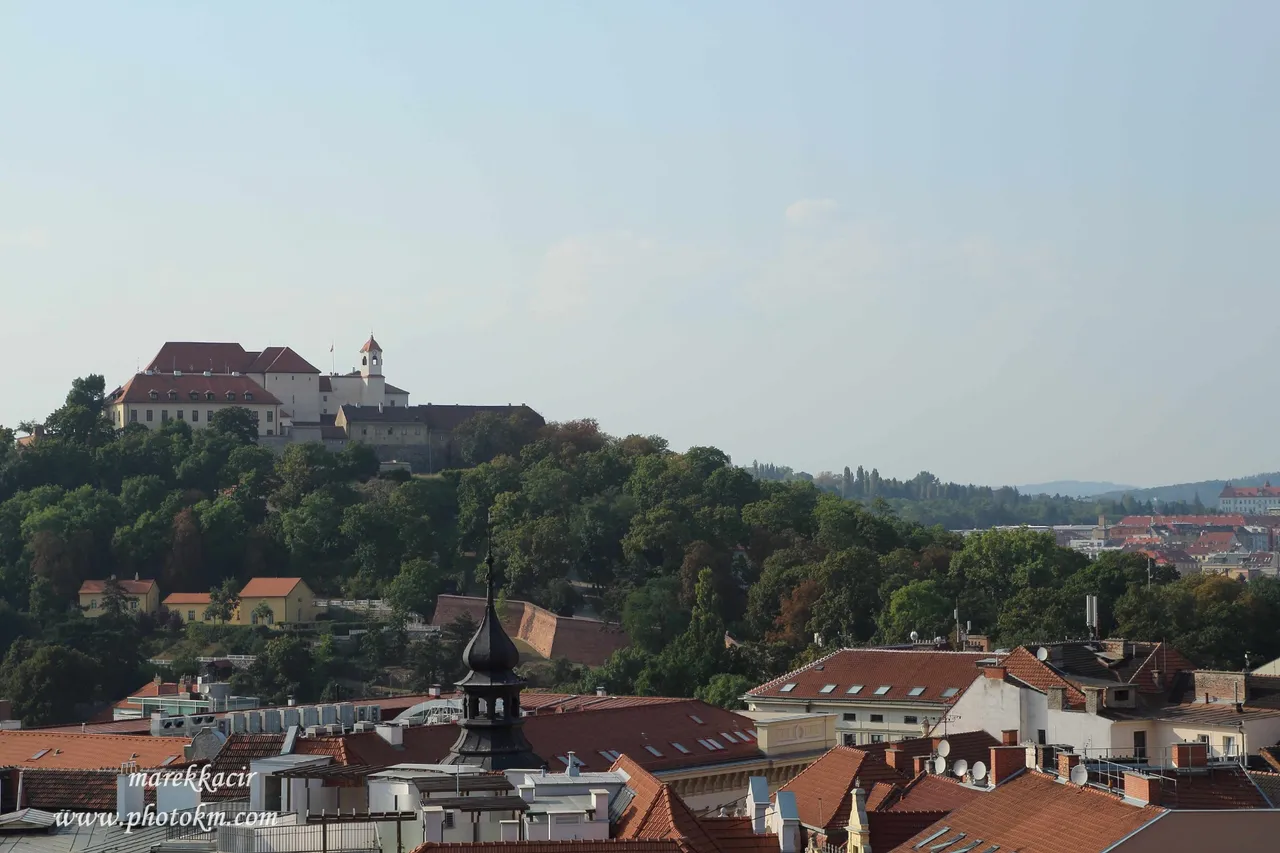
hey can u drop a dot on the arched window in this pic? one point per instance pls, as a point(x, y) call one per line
point(364, 359)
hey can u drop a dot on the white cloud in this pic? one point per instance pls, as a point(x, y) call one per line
point(811, 210)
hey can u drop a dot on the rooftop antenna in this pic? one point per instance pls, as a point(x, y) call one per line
point(1080, 775)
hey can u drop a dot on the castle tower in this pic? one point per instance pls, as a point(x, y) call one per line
point(492, 733)
point(374, 392)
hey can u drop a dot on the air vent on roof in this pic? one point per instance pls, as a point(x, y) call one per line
point(208, 373)
point(177, 372)
point(235, 373)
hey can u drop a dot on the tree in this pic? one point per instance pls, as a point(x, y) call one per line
point(114, 600)
point(919, 606)
point(416, 587)
point(46, 682)
point(263, 614)
point(653, 616)
point(236, 422)
point(223, 601)
point(726, 691)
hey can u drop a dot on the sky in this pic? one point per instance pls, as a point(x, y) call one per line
point(1001, 242)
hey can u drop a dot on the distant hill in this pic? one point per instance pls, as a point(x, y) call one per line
point(1208, 490)
point(1074, 488)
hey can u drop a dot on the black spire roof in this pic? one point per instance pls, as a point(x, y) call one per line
point(491, 657)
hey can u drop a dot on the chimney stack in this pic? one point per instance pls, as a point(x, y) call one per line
point(758, 803)
point(1142, 788)
point(1057, 698)
point(1005, 762)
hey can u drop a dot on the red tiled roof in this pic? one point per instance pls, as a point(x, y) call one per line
point(735, 835)
point(889, 829)
point(199, 356)
point(1027, 668)
point(880, 795)
point(1227, 787)
point(1266, 490)
point(69, 790)
point(139, 388)
point(1193, 520)
point(141, 587)
point(1034, 813)
point(930, 792)
point(234, 757)
point(68, 751)
point(971, 746)
point(901, 670)
point(823, 788)
point(186, 598)
point(1223, 539)
point(370, 345)
point(279, 360)
point(578, 845)
point(269, 587)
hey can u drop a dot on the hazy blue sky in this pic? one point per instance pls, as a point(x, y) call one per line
point(1004, 242)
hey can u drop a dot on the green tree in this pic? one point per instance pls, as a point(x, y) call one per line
point(726, 691)
point(236, 422)
point(46, 683)
point(919, 606)
point(114, 600)
point(223, 601)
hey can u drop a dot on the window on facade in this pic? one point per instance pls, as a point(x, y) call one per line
point(191, 616)
point(93, 604)
point(208, 416)
point(270, 415)
point(850, 717)
point(877, 718)
point(1040, 737)
point(164, 416)
point(364, 430)
point(325, 398)
point(850, 739)
point(910, 720)
point(877, 738)
point(133, 416)
point(181, 413)
point(149, 419)
point(195, 415)
point(390, 430)
point(173, 395)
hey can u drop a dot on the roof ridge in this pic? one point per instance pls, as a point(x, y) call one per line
point(782, 678)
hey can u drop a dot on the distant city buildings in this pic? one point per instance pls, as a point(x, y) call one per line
point(1262, 499)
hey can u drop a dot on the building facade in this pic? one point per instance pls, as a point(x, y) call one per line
point(140, 596)
point(1250, 500)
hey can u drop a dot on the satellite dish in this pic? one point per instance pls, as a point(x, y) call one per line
point(1080, 775)
point(915, 636)
point(961, 767)
point(979, 771)
point(1042, 654)
point(939, 765)
point(944, 748)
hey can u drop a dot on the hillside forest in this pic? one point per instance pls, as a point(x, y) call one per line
point(683, 549)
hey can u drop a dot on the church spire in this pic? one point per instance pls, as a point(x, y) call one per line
point(492, 735)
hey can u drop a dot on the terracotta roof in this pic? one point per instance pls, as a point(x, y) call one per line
point(823, 788)
point(881, 795)
point(1027, 668)
point(70, 790)
point(1034, 813)
point(1268, 783)
point(234, 757)
point(199, 356)
point(581, 640)
point(1222, 540)
point(186, 598)
point(41, 749)
point(1266, 490)
point(611, 845)
point(735, 835)
point(139, 388)
point(889, 829)
point(971, 746)
point(901, 670)
point(141, 587)
point(1228, 787)
point(930, 792)
point(269, 587)
point(1192, 520)
point(279, 360)
point(370, 345)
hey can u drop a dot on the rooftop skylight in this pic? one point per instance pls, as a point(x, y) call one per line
point(949, 692)
point(915, 691)
point(883, 689)
point(652, 750)
point(680, 747)
point(827, 688)
point(788, 687)
point(854, 690)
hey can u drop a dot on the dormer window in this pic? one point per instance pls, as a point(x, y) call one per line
point(248, 395)
point(173, 395)
point(195, 395)
point(210, 396)
point(153, 395)
point(231, 395)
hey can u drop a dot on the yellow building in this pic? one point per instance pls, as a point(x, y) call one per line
point(141, 596)
point(290, 600)
point(189, 605)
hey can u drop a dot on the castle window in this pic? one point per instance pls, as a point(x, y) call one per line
point(133, 416)
point(148, 415)
point(164, 416)
point(173, 395)
point(153, 395)
point(195, 395)
point(208, 416)
point(195, 415)
point(270, 415)
point(248, 395)
point(210, 396)
point(231, 395)
point(180, 414)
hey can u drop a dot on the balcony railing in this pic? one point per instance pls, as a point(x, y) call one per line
point(303, 838)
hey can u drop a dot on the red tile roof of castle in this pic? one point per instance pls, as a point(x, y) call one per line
point(1193, 520)
point(139, 388)
point(931, 792)
point(131, 587)
point(1034, 813)
point(279, 360)
point(370, 345)
point(1266, 490)
point(869, 670)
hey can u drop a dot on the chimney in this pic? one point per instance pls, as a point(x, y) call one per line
point(527, 792)
point(897, 759)
point(758, 803)
point(572, 769)
point(1009, 737)
point(130, 798)
point(392, 734)
point(600, 803)
point(919, 764)
point(434, 691)
point(995, 673)
point(1093, 700)
point(1057, 698)
point(787, 822)
point(1192, 754)
point(432, 824)
point(859, 827)
point(1005, 762)
point(1066, 761)
point(600, 691)
point(1142, 788)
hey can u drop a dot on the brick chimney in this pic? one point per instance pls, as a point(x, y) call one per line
point(995, 673)
point(919, 764)
point(1142, 788)
point(1067, 760)
point(898, 759)
point(1006, 761)
point(1093, 699)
